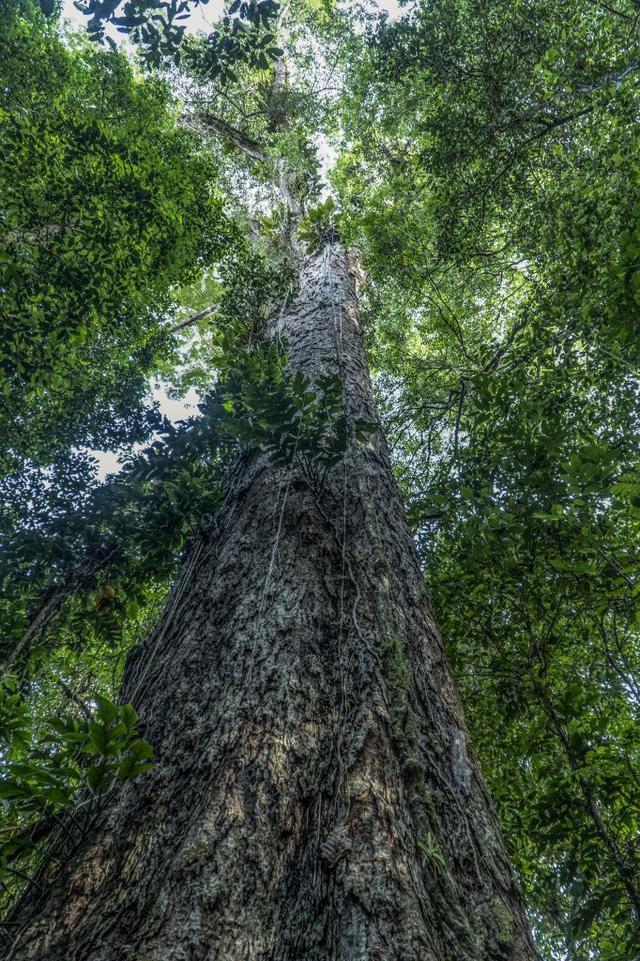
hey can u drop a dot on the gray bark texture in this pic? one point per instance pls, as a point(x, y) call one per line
point(315, 797)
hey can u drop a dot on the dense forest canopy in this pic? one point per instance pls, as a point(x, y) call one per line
point(483, 156)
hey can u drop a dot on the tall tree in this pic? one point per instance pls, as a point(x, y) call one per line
point(314, 793)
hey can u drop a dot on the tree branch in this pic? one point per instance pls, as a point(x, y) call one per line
point(207, 312)
point(238, 138)
point(23, 235)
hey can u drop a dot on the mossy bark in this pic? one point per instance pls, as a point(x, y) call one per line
point(315, 795)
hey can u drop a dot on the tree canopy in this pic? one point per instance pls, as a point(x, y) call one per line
point(483, 158)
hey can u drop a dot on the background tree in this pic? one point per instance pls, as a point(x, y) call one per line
point(106, 205)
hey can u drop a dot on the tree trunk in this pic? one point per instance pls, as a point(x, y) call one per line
point(315, 795)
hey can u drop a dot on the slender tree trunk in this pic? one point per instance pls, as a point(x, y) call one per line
point(315, 795)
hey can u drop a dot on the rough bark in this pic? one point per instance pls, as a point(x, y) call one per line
point(316, 796)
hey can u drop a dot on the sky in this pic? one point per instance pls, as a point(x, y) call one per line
point(203, 17)
point(174, 410)
point(201, 20)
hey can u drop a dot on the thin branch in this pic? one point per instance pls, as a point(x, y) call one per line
point(238, 138)
point(25, 236)
point(613, 10)
point(608, 78)
point(73, 697)
point(207, 312)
